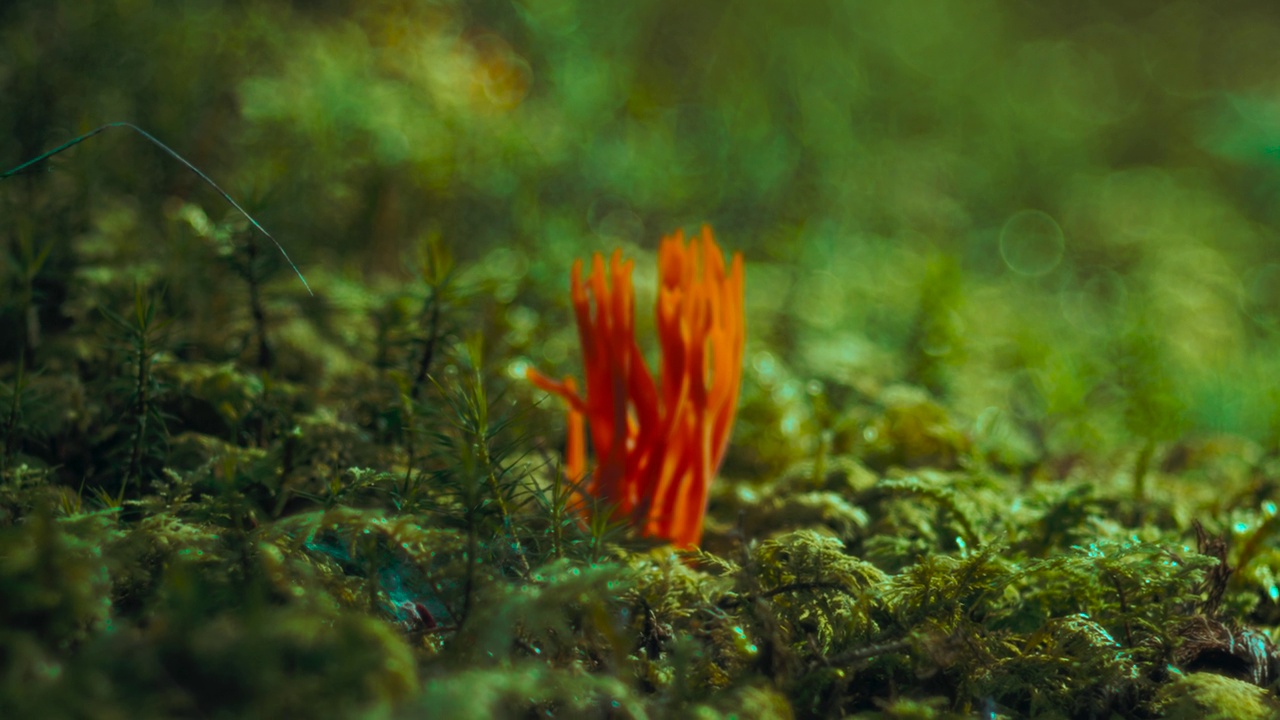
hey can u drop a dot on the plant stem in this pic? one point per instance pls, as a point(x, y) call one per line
point(140, 409)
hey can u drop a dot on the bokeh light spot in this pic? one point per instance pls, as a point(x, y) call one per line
point(1031, 242)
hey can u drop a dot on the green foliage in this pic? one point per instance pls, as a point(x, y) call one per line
point(58, 584)
point(485, 693)
point(820, 594)
point(936, 340)
point(1213, 697)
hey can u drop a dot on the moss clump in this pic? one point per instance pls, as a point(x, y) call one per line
point(1214, 697)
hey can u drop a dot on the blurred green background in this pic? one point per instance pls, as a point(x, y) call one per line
point(1058, 217)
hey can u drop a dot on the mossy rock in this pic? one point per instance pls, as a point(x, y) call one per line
point(1205, 696)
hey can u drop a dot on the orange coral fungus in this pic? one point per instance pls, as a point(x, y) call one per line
point(657, 447)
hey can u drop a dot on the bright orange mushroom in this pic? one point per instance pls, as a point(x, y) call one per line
point(657, 446)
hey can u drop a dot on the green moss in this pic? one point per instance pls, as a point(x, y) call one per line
point(1007, 444)
point(1213, 697)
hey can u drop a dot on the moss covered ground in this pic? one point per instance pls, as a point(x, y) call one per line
point(1008, 440)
